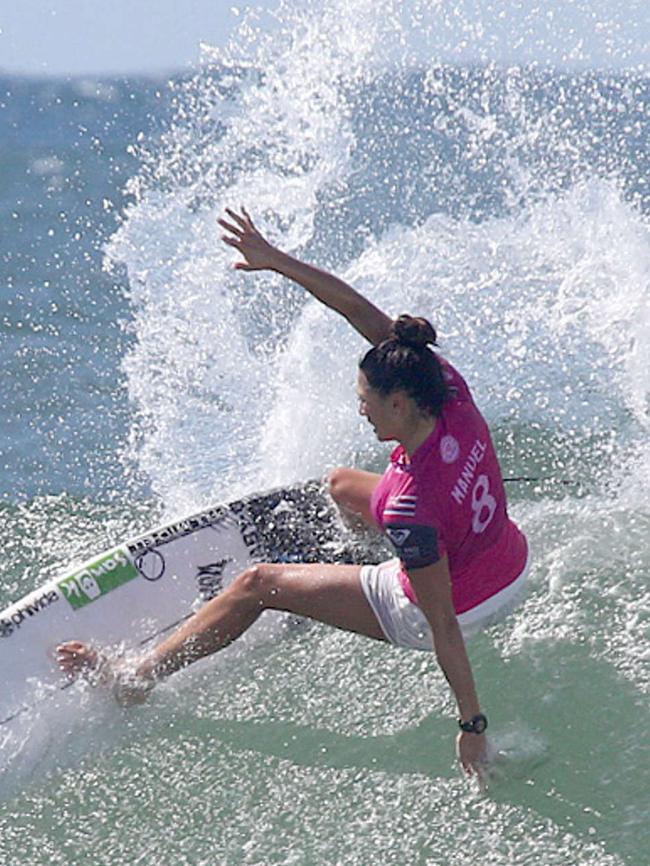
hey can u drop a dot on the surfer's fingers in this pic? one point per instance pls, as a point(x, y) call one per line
point(75, 655)
point(230, 227)
point(481, 781)
point(239, 220)
point(468, 769)
point(475, 775)
point(478, 773)
point(70, 645)
point(248, 218)
point(239, 266)
point(71, 648)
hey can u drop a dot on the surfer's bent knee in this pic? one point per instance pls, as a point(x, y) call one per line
point(254, 580)
point(338, 483)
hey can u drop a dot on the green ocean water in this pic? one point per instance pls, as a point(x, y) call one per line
point(308, 745)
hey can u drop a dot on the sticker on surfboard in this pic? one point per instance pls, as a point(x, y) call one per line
point(141, 589)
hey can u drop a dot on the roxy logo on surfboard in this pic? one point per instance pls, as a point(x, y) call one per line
point(209, 579)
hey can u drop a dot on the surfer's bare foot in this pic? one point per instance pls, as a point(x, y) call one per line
point(76, 658)
point(128, 686)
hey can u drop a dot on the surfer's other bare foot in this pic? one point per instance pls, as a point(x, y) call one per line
point(76, 658)
point(127, 685)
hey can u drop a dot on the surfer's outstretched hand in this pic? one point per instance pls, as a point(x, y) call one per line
point(258, 253)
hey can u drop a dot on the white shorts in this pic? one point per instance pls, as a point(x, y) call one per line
point(403, 622)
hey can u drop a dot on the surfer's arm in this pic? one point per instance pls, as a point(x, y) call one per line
point(364, 317)
point(259, 254)
point(432, 585)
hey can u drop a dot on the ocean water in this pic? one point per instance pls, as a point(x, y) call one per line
point(143, 378)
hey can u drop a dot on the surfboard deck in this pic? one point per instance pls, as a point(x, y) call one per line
point(137, 591)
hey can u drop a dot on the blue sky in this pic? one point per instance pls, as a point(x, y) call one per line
point(77, 37)
point(59, 37)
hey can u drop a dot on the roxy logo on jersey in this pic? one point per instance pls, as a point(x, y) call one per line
point(403, 505)
point(398, 536)
point(449, 449)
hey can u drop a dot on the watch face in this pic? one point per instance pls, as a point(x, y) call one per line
point(476, 726)
point(480, 724)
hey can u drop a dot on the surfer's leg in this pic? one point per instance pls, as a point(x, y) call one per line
point(329, 593)
point(332, 594)
point(351, 489)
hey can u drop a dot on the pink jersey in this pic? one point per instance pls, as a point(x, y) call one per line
point(449, 499)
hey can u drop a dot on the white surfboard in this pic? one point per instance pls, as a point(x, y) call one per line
point(141, 589)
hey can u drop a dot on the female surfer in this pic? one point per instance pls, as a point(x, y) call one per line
point(460, 560)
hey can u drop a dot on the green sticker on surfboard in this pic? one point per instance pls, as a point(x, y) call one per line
point(97, 579)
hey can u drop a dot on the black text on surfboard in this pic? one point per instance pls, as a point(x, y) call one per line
point(9, 624)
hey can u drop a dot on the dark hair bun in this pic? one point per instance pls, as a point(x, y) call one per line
point(403, 362)
point(413, 331)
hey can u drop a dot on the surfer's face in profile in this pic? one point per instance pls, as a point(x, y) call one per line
point(379, 409)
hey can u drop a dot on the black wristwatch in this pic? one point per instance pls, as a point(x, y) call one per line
point(476, 725)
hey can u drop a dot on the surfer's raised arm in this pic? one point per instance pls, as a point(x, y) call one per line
point(260, 255)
